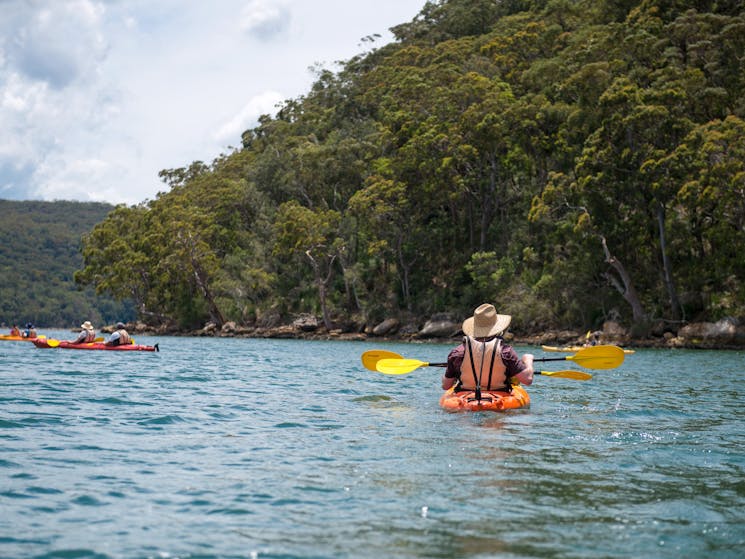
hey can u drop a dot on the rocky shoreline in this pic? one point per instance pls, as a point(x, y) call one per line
point(726, 334)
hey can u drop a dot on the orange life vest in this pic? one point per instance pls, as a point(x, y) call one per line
point(482, 366)
point(124, 338)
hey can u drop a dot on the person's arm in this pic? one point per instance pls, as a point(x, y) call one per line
point(452, 373)
point(517, 368)
point(526, 375)
point(113, 339)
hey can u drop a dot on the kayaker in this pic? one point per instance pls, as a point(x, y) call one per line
point(120, 336)
point(30, 331)
point(595, 338)
point(483, 360)
point(87, 334)
point(15, 331)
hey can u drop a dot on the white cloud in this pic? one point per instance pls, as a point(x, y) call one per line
point(265, 19)
point(41, 47)
point(98, 96)
point(248, 116)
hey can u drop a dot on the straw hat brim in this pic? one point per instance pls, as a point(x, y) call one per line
point(501, 324)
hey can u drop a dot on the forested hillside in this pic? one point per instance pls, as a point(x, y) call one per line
point(39, 253)
point(569, 161)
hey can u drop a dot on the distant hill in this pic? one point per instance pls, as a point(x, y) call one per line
point(39, 253)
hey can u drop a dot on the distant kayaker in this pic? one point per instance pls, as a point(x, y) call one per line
point(120, 336)
point(483, 360)
point(592, 338)
point(87, 334)
point(30, 331)
point(15, 331)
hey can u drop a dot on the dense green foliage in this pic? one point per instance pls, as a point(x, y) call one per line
point(570, 161)
point(39, 253)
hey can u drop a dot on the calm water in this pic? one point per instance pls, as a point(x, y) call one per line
point(291, 449)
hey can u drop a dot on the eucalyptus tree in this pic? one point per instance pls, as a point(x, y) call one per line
point(709, 168)
point(303, 234)
point(118, 259)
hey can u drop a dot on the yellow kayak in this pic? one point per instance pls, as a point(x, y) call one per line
point(572, 349)
point(9, 338)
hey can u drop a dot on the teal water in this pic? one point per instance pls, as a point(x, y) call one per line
point(240, 448)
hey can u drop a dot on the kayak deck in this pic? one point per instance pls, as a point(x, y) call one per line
point(491, 400)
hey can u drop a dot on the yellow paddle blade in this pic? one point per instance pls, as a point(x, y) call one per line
point(99, 339)
point(574, 375)
point(598, 357)
point(398, 366)
point(51, 342)
point(371, 358)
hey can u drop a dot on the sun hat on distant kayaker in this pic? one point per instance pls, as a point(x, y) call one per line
point(120, 326)
point(87, 325)
point(485, 322)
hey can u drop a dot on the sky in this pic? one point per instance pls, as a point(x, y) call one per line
point(98, 96)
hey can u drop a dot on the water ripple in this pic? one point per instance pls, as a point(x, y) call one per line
point(229, 448)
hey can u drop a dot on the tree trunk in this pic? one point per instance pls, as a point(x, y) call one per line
point(201, 278)
point(322, 285)
point(404, 273)
point(625, 286)
point(666, 266)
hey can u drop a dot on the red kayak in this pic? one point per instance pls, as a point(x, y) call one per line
point(50, 343)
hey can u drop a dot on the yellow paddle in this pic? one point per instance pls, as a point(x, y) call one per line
point(370, 358)
point(575, 375)
point(404, 366)
point(51, 342)
point(593, 357)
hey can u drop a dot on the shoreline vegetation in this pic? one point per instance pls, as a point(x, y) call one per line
point(570, 162)
point(726, 334)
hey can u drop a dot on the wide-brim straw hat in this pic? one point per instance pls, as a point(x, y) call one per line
point(485, 322)
point(87, 325)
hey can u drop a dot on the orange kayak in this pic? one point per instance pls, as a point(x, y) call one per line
point(491, 400)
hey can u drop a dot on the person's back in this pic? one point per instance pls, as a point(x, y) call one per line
point(15, 331)
point(120, 336)
point(86, 335)
point(483, 365)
